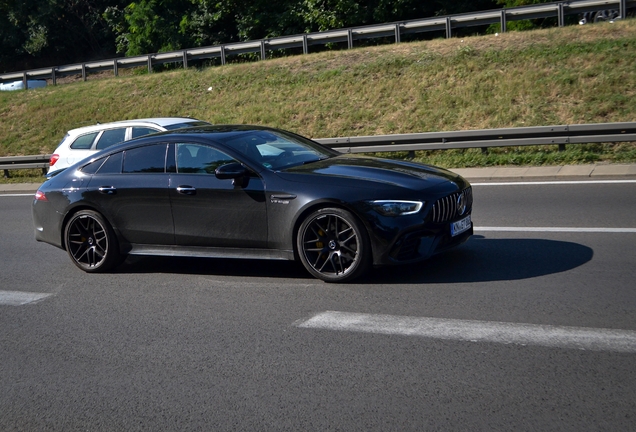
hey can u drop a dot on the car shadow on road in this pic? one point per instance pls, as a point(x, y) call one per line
point(485, 259)
point(214, 266)
point(478, 260)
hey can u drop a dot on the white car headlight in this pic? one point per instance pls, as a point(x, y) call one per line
point(396, 208)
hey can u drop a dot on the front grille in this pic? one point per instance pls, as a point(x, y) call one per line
point(446, 209)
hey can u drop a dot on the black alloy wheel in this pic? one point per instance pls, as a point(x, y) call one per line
point(333, 245)
point(90, 242)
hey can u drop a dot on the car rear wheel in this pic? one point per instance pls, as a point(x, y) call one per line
point(333, 245)
point(91, 243)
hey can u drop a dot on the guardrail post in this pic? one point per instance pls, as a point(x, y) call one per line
point(115, 67)
point(25, 81)
point(561, 15)
point(185, 59)
point(149, 63)
point(222, 54)
point(397, 33)
point(83, 72)
point(350, 38)
point(504, 25)
point(449, 29)
point(53, 76)
point(305, 45)
point(561, 147)
point(6, 174)
point(262, 49)
point(623, 9)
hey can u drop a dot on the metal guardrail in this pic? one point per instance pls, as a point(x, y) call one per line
point(391, 30)
point(484, 139)
point(24, 162)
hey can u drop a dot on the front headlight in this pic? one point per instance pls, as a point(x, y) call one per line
point(396, 208)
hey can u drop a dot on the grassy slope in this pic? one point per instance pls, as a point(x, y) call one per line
point(577, 74)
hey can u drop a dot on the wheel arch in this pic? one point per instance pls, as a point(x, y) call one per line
point(314, 206)
point(72, 212)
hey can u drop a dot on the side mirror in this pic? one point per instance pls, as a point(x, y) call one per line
point(238, 173)
point(230, 171)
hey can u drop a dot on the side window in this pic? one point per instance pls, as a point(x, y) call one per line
point(200, 159)
point(84, 142)
point(112, 165)
point(138, 131)
point(147, 159)
point(92, 167)
point(110, 137)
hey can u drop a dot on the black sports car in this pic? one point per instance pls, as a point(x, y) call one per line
point(251, 192)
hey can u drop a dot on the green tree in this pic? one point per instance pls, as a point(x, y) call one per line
point(147, 26)
point(37, 33)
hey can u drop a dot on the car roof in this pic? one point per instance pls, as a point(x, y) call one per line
point(156, 121)
point(207, 132)
point(223, 129)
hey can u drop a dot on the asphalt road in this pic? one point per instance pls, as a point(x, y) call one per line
point(547, 312)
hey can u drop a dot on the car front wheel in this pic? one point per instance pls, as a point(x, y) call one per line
point(90, 242)
point(333, 245)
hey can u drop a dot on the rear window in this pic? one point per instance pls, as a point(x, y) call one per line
point(84, 142)
point(106, 165)
point(112, 165)
point(92, 167)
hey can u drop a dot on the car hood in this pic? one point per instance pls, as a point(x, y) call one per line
point(370, 171)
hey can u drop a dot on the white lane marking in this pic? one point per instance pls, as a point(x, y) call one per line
point(593, 339)
point(19, 298)
point(556, 229)
point(556, 182)
point(17, 195)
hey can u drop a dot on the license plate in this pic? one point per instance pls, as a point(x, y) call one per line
point(460, 226)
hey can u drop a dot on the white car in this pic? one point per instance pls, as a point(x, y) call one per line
point(83, 142)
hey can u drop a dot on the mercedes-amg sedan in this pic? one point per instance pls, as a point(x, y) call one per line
point(251, 192)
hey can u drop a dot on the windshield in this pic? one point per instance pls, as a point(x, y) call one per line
point(276, 149)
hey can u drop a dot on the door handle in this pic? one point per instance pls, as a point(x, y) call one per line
point(108, 190)
point(186, 190)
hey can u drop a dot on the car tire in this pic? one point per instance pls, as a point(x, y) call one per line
point(333, 245)
point(91, 242)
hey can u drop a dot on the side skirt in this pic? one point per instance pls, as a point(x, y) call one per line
point(210, 252)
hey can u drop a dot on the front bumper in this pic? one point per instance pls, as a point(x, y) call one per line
point(415, 242)
point(420, 245)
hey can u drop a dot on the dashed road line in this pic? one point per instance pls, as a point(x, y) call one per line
point(19, 298)
point(594, 339)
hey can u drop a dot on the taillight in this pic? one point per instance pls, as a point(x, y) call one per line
point(53, 159)
point(39, 196)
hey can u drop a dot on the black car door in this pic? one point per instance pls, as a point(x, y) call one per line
point(131, 189)
point(208, 211)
